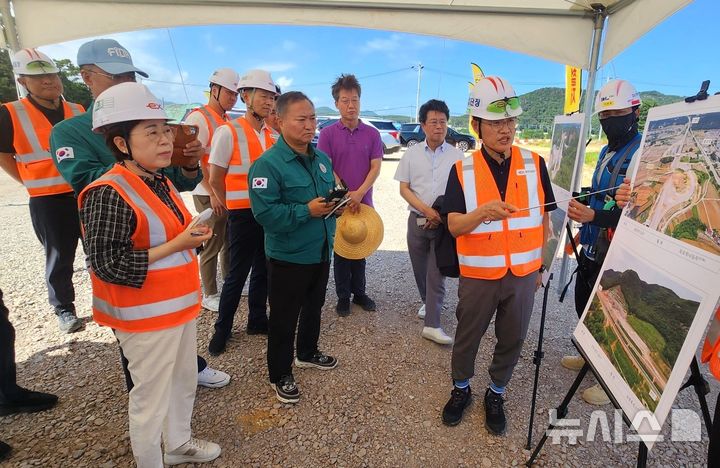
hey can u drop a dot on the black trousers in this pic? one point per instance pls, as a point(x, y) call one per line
point(57, 225)
point(587, 273)
point(714, 448)
point(349, 276)
point(9, 389)
point(246, 244)
point(297, 295)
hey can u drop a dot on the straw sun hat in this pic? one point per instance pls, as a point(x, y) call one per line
point(358, 234)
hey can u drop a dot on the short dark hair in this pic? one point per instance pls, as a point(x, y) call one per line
point(121, 129)
point(286, 99)
point(346, 82)
point(433, 105)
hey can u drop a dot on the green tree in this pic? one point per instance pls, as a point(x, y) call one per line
point(75, 90)
point(647, 104)
point(8, 92)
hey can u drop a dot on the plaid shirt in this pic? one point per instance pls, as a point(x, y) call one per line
point(109, 223)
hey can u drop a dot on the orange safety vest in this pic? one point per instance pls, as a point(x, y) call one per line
point(711, 347)
point(31, 139)
point(246, 150)
point(170, 295)
point(515, 243)
point(213, 121)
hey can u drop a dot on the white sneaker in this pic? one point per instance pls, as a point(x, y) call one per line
point(421, 312)
point(211, 303)
point(193, 451)
point(437, 335)
point(212, 378)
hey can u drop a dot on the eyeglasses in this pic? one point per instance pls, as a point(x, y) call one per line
point(500, 106)
point(434, 123)
point(345, 102)
point(154, 134)
point(128, 76)
point(500, 124)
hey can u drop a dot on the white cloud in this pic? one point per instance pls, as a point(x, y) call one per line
point(276, 67)
point(165, 84)
point(395, 45)
point(289, 46)
point(284, 82)
point(213, 46)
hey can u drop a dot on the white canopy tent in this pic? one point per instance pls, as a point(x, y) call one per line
point(564, 31)
point(557, 30)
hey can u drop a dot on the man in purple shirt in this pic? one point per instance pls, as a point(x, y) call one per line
point(356, 151)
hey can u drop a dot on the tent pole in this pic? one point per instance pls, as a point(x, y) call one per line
point(598, 24)
point(11, 38)
point(8, 23)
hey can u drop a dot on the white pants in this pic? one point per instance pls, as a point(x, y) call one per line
point(163, 366)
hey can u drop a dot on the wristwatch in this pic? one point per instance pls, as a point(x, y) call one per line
point(192, 168)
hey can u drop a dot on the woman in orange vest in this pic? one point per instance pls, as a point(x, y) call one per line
point(140, 242)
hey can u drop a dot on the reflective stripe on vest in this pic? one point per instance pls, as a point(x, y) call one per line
point(31, 141)
point(516, 243)
point(213, 121)
point(170, 294)
point(246, 150)
point(711, 346)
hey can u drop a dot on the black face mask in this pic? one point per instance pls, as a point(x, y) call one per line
point(620, 130)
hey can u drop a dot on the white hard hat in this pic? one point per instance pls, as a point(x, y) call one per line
point(125, 102)
point(493, 98)
point(617, 94)
point(259, 79)
point(33, 62)
point(226, 77)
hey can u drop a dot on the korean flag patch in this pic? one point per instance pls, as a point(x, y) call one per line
point(259, 183)
point(64, 153)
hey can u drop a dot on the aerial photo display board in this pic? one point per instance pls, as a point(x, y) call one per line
point(658, 286)
point(564, 150)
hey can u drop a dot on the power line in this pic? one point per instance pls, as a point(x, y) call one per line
point(359, 77)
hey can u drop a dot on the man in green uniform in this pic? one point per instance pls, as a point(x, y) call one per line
point(288, 186)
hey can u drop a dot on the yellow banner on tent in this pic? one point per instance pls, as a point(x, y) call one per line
point(573, 81)
point(477, 76)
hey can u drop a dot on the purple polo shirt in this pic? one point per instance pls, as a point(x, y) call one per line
point(351, 152)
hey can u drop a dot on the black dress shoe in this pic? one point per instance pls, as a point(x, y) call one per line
point(343, 307)
point(365, 302)
point(5, 450)
point(217, 344)
point(261, 329)
point(28, 402)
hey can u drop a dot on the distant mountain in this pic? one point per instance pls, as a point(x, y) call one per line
point(657, 305)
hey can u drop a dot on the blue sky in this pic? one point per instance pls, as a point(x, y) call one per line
point(672, 58)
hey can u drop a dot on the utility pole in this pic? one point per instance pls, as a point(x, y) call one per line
point(419, 68)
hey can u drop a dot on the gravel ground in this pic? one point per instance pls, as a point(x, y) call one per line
point(380, 407)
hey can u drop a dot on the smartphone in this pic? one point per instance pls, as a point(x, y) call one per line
point(185, 134)
point(336, 195)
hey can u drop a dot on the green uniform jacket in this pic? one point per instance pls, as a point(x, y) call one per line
point(282, 182)
point(82, 156)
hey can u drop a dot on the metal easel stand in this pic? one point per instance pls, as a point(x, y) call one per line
point(537, 358)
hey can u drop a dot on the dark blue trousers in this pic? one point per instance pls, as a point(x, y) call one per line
point(246, 244)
